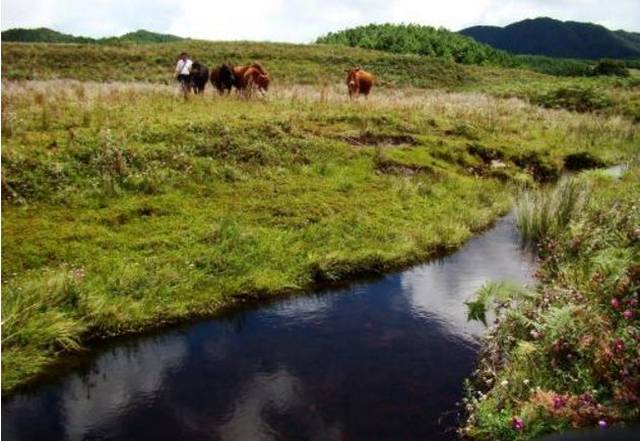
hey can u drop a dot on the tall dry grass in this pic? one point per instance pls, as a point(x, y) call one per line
point(545, 213)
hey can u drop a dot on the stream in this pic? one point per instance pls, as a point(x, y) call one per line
point(380, 360)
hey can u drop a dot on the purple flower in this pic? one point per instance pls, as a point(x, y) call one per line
point(559, 401)
point(615, 303)
point(603, 424)
point(517, 423)
point(586, 400)
point(618, 346)
point(627, 314)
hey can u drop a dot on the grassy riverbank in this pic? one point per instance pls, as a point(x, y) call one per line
point(567, 355)
point(126, 208)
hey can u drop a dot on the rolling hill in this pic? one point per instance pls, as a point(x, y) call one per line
point(46, 35)
point(554, 38)
point(414, 39)
point(442, 43)
point(287, 63)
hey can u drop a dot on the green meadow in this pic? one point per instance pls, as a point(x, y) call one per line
point(127, 208)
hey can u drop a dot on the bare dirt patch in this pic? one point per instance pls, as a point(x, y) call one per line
point(368, 139)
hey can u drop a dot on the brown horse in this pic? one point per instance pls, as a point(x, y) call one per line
point(359, 82)
point(256, 77)
point(239, 72)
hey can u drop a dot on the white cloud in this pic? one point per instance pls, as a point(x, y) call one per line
point(297, 21)
point(96, 18)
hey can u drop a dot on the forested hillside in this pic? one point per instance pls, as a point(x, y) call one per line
point(554, 38)
point(46, 35)
point(426, 40)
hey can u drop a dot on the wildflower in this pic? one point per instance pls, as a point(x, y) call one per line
point(618, 346)
point(603, 423)
point(559, 401)
point(586, 399)
point(627, 314)
point(78, 273)
point(517, 423)
point(526, 381)
point(535, 334)
point(504, 383)
point(615, 303)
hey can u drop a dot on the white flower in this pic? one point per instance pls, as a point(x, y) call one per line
point(526, 381)
point(504, 383)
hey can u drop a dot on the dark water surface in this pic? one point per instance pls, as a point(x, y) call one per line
point(382, 360)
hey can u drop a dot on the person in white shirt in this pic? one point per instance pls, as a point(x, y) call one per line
point(183, 72)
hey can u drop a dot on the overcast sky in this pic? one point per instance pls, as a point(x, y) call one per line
point(297, 21)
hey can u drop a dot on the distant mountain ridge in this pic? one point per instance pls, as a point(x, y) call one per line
point(561, 39)
point(46, 35)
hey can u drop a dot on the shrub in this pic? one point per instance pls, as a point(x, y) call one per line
point(611, 67)
point(576, 98)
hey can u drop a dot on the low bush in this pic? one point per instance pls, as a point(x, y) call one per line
point(576, 98)
point(611, 67)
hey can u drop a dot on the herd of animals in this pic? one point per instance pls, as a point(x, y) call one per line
point(253, 76)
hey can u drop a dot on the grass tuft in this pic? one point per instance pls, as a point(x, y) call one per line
point(541, 213)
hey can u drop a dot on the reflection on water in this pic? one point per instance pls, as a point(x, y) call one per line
point(382, 360)
point(495, 255)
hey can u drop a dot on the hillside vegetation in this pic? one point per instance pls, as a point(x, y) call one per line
point(287, 63)
point(415, 39)
point(426, 40)
point(46, 35)
point(555, 38)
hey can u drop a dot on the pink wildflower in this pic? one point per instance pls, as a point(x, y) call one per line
point(618, 346)
point(517, 423)
point(559, 401)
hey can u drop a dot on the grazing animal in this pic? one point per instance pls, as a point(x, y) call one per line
point(198, 77)
point(256, 77)
point(359, 82)
point(240, 71)
point(223, 78)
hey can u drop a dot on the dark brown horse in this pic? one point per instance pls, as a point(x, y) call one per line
point(223, 78)
point(198, 77)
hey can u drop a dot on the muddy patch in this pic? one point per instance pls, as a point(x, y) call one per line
point(390, 166)
point(582, 161)
point(368, 139)
point(487, 154)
